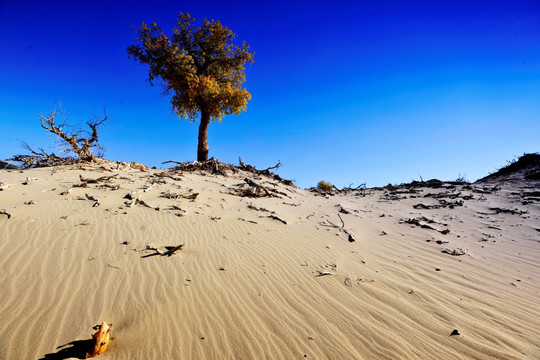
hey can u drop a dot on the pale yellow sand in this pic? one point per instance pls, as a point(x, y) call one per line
point(64, 269)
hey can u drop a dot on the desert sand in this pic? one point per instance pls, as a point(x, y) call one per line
point(267, 276)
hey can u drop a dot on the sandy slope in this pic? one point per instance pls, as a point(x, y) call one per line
point(245, 286)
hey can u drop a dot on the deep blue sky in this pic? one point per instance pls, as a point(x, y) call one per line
point(346, 91)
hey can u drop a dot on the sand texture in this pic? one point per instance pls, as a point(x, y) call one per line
point(265, 277)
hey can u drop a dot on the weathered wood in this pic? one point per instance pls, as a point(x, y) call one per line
point(277, 218)
point(173, 249)
point(98, 180)
point(455, 252)
point(100, 340)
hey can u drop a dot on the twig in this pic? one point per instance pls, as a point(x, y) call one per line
point(342, 223)
point(276, 218)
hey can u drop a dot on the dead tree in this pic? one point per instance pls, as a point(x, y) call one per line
point(78, 144)
point(83, 143)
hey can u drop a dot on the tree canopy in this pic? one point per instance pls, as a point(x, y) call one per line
point(200, 66)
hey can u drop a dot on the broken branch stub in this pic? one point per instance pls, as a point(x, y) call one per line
point(100, 340)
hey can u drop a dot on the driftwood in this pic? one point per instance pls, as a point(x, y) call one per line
point(274, 217)
point(509, 211)
point(66, 191)
point(173, 249)
point(176, 196)
point(91, 197)
point(163, 250)
point(455, 252)
point(423, 223)
point(324, 273)
point(133, 195)
point(98, 180)
point(166, 174)
point(100, 340)
point(4, 186)
point(259, 189)
point(266, 172)
point(4, 212)
point(328, 223)
point(251, 221)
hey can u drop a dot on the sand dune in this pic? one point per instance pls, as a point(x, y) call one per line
point(246, 285)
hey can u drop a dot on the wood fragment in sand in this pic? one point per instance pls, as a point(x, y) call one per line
point(276, 218)
point(66, 191)
point(173, 250)
point(4, 212)
point(251, 221)
point(166, 174)
point(252, 207)
point(176, 196)
point(455, 252)
point(509, 211)
point(91, 197)
point(111, 186)
point(95, 181)
point(163, 250)
point(343, 210)
point(100, 340)
point(324, 273)
point(290, 204)
point(4, 186)
point(143, 203)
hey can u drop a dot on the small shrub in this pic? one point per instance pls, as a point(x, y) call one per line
point(325, 186)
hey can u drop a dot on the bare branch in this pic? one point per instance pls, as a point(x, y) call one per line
point(83, 144)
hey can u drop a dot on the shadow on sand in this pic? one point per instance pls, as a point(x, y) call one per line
point(75, 349)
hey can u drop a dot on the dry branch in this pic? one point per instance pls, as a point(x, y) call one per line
point(100, 340)
point(455, 252)
point(98, 180)
point(276, 218)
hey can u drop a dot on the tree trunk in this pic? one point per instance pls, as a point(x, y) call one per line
point(202, 148)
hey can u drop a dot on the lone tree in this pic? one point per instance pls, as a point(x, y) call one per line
point(201, 66)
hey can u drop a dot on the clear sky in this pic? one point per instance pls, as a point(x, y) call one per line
point(347, 91)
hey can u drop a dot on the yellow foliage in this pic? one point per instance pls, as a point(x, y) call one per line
point(325, 186)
